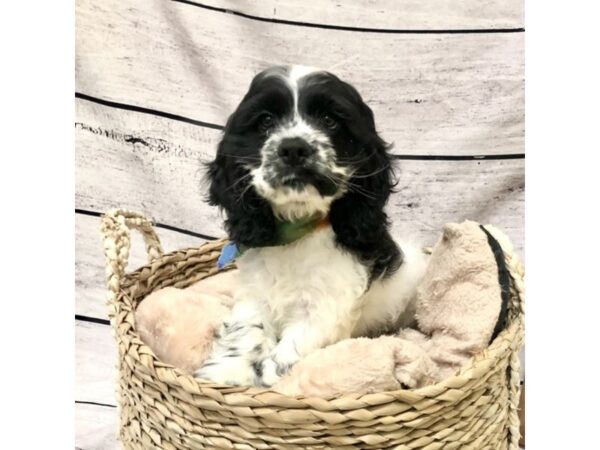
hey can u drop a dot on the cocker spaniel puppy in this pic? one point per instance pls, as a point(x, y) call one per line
point(303, 178)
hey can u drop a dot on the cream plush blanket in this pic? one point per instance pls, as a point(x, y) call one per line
point(460, 307)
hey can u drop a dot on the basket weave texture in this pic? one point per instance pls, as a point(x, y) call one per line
point(161, 407)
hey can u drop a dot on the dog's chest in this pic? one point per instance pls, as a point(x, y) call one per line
point(305, 277)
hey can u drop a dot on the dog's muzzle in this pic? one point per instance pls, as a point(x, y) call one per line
point(294, 163)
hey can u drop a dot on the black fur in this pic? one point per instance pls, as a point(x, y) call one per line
point(358, 217)
point(250, 220)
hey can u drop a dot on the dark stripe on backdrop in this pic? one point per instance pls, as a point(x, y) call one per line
point(458, 157)
point(81, 402)
point(156, 224)
point(347, 28)
point(154, 112)
point(92, 319)
point(220, 127)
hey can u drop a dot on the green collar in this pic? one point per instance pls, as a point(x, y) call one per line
point(286, 232)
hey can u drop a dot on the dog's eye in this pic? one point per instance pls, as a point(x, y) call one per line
point(266, 123)
point(329, 121)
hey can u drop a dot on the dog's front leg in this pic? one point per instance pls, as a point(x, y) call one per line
point(241, 343)
point(301, 337)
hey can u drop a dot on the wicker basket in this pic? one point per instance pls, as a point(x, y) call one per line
point(164, 408)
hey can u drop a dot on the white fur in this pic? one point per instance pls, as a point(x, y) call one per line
point(307, 294)
point(389, 302)
point(293, 77)
point(293, 204)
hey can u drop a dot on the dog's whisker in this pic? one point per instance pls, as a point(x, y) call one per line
point(358, 190)
point(239, 180)
point(381, 169)
point(336, 179)
point(241, 196)
point(355, 161)
point(246, 158)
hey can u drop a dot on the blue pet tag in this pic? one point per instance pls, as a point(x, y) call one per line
point(228, 255)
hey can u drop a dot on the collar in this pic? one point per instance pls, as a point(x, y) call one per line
point(286, 232)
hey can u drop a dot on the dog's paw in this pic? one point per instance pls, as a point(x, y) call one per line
point(269, 372)
point(272, 370)
point(233, 371)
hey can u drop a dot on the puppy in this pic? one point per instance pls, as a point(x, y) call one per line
point(303, 177)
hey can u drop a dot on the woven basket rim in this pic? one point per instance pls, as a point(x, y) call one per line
point(509, 337)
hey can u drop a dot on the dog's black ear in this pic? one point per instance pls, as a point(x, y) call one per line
point(250, 220)
point(358, 218)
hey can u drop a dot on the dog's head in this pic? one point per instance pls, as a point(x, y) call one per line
point(301, 142)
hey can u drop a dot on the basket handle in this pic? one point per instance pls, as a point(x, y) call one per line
point(115, 228)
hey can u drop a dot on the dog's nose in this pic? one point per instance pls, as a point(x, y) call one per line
point(294, 151)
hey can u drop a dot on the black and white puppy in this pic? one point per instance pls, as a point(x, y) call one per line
point(303, 144)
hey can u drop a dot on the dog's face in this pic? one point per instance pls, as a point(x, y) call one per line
point(299, 140)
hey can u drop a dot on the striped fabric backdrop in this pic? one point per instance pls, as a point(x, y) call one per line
point(156, 81)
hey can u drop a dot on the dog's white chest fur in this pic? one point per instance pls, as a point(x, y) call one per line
point(295, 298)
point(309, 280)
point(314, 280)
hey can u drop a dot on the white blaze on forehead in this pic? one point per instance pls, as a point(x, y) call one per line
point(298, 127)
point(294, 75)
point(297, 72)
